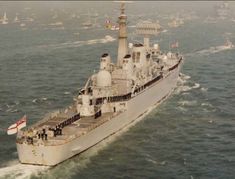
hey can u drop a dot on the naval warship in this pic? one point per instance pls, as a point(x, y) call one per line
point(111, 100)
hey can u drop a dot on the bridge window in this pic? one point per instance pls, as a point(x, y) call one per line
point(136, 57)
point(133, 56)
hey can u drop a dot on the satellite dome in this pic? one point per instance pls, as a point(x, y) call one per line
point(104, 78)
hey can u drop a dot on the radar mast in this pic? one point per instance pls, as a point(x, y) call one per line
point(122, 37)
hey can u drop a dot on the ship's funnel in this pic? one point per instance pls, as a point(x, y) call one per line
point(105, 62)
point(128, 65)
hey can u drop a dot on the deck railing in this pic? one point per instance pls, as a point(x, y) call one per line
point(127, 96)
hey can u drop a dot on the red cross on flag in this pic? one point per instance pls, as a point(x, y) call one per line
point(14, 128)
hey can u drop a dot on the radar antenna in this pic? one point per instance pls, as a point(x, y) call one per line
point(146, 29)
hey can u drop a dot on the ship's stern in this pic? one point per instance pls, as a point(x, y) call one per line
point(41, 154)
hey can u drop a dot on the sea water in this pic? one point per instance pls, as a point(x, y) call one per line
point(190, 135)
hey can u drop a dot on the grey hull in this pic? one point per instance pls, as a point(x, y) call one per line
point(136, 107)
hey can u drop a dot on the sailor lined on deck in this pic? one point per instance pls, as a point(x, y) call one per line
point(42, 134)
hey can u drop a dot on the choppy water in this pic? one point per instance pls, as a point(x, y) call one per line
point(191, 135)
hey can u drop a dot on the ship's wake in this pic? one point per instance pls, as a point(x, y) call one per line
point(39, 100)
point(185, 87)
point(74, 44)
point(183, 84)
point(14, 169)
point(211, 50)
point(72, 166)
point(11, 107)
point(66, 169)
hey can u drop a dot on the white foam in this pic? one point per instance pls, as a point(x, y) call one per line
point(151, 160)
point(210, 121)
point(196, 85)
point(70, 44)
point(187, 103)
point(181, 81)
point(65, 170)
point(206, 104)
point(17, 102)
point(20, 171)
point(10, 106)
point(67, 92)
point(89, 42)
point(182, 109)
point(8, 110)
point(14, 110)
point(186, 77)
point(163, 163)
point(34, 101)
point(213, 49)
point(180, 89)
point(183, 77)
point(182, 85)
point(204, 89)
point(109, 38)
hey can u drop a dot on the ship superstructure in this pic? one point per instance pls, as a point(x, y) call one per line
point(118, 95)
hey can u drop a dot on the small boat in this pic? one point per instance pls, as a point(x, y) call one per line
point(87, 24)
point(22, 25)
point(114, 27)
point(56, 24)
point(109, 25)
point(210, 20)
point(174, 23)
point(5, 19)
point(27, 19)
point(227, 46)
point(16, 19)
